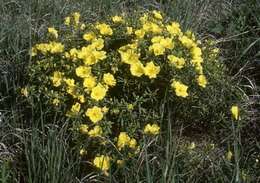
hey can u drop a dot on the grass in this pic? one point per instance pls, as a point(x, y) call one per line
point(36, 148)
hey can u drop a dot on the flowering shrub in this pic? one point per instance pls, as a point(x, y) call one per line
point(107, 77)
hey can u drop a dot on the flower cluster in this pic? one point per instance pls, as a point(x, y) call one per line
point(98, 74)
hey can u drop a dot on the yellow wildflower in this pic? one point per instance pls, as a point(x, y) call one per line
point(129, 57)
point(83, 128)
point(24, 92)
point(83, 71)
point(123, 140)
point(120, 163)
point(109, 79)
point(98, 92)
point(137, 69)
point(57, 78)
point(75, 108)
point(104, 29)
point(167, 43)
point(98, 44)
point(89, 36)
point(229, 155)
point(95, 114)
point(235, 112)
point(105, 109)
point(157, 15)
point(83, 26)
point(140, 33)
point(96, 131)
point(52, 31)
point(157, 48)
point(151, 70)
point(192, 146)
point(187, 42)
point(55, 101)
point(89, 82)
point(102, 162)
point(130, 107)
point(82, 152)
point(180, 89)
point(176, 61)
point(153, 129)
point(70, 82)
point(117, 19)
point(129, 30)
point(132, 143)
point(81, 98)
point(67, 21)
point(76, 17)
point(202, 81)
point(174, 29)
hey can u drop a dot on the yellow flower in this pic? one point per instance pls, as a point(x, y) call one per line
point(132, 143)
point(123, 140)
point(180, 89)
point(229, 155)
point(75, 108)
point(96, 131)
point(130, 107)
point(140, 33)
point(137, 69)
point(89, 36)
point(52, 31)
point(67, 21)
point(120, 163)
point(98, 43)
point(95, 114)
point(102, 162)
point(157, 15)
point(83, 128)
point(89, 82)
point(57, 78)
point(174, 29)
point(167, 43)
point(82, 152)
point(235, 112)
point(129, 56)
point(157, 48)
point(104, 29)
point(55, 101)
point(151, 70)
point(129, 30)
point(153, 129)
point(98, 92)
point(202, 81)
point(70, 82)
point(117, 19)
point(196, 52)
point(105, 109)
point(24, 92)
point(33, 52)
point(176, 61)
point(83, 71)
point(192, 146)
point(187, 42)
point(81, 98)
point(76, 17)
point(83, 26)
point(109, 79)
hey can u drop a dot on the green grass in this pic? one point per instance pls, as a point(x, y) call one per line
point(34, 147)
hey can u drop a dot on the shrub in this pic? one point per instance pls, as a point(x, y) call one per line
point(111, 77)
